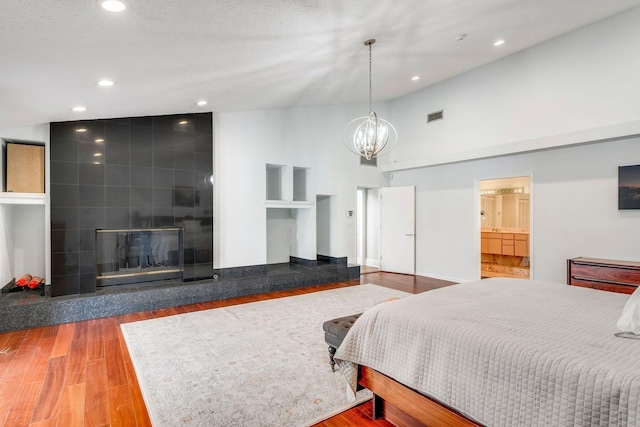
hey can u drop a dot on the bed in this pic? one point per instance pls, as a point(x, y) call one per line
point(497, 352)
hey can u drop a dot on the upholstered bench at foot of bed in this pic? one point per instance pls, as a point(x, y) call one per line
point(334, 332)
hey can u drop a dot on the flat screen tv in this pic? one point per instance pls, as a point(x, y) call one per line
point(629, 187)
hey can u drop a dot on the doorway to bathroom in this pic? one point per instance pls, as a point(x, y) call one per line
point(505, 218)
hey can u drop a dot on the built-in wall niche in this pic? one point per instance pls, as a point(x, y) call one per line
point(291, 232)
point(23, 234)
point(23, 210)
point(23, 167)
point(281, 234)
point(300, 189)
point(288, 185)
point(275, 178)
point(290, 221)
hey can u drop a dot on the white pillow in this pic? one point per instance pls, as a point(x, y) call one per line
point(630, 319)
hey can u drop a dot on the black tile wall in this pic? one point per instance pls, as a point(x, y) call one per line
point(92, 174)
point(64, 173)
point(137, 172)
point(117, 175)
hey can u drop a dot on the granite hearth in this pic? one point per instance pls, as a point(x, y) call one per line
point(22, 310)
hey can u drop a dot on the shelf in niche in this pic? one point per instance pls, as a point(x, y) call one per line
point(285, 204)
point(22, 198)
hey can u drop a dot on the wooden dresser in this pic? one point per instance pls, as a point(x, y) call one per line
point(604, 274)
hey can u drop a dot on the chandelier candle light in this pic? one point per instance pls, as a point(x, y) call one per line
point(372, 135)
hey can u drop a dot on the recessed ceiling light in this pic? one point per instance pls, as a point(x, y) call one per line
point(498, 43)
point(99, 140)
point(79, 109)
point(105, 83)
point(183, 122)
point(113, 5)
point(97, 154)
point(414, 78)
point(201, 103)
point(81, 130)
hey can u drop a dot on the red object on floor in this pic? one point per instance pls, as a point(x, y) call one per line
point(34, 282)
point(24, 280)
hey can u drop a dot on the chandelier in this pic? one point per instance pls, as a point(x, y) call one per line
point(371, 135)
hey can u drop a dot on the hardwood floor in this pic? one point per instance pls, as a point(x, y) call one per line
point(80, 374)
point(367, 269)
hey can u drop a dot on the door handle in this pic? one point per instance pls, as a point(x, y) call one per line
point(409, 234)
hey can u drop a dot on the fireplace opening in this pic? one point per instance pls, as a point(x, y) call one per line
point(138, 255)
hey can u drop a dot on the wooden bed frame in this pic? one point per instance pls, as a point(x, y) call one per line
point(403, 406)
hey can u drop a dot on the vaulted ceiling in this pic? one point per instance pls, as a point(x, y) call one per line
point(164, 55)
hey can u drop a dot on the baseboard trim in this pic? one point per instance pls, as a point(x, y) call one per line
point(332, 260)
point(372, 262)
point(440, 277)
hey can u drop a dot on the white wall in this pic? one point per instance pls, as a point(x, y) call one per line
point(323, 225)
point(281, 230)
point(579, 87)
point(368, 232)
point(360, 226)
point(304, 137)
point(305, 234)
point(373, 227)
point(574, 196)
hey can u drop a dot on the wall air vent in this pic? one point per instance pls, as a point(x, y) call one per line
point(365, 162)
point(438, 115)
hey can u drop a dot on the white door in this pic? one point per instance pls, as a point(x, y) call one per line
point(398, 229)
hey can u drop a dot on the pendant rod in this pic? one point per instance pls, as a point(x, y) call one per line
point(369, 43)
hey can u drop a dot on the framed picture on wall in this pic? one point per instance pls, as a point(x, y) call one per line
point(629, 187)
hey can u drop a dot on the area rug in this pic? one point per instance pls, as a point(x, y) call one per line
point(258, 364)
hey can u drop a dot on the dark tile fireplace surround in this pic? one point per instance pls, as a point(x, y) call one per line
point(135, 176)
point(129, 173)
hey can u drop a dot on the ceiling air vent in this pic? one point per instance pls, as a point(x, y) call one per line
point(438, 115)
point(372, 162)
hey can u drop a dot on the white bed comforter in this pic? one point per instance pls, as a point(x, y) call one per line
point(506, 352)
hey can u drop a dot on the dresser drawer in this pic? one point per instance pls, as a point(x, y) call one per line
point(604, 286)
point(601, 273)
point(608, 275)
